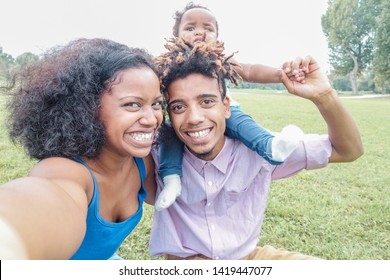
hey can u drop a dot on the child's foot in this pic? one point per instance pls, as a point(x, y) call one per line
point(171, 190)
point(284, 143)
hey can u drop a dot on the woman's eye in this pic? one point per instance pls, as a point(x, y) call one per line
point(132, 105)
point(158, 105)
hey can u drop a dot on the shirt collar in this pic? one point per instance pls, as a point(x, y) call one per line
point(220, 162)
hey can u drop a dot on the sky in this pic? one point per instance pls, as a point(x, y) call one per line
point(262, 31)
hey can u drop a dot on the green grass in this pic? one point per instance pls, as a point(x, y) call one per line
point(14, 162)
point(339, 212)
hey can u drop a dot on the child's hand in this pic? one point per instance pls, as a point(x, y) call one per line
point(297, 69)
point(316, 82)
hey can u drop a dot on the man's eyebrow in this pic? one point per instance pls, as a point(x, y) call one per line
point(175, 101)
point(203, 95)
point(200, 96)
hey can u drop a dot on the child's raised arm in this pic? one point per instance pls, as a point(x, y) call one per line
point(259, 73)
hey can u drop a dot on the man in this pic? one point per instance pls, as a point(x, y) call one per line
point(225, 185)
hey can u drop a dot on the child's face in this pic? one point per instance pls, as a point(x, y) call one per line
point(198, 25)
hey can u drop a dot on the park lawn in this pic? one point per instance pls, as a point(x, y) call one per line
point(340, 212)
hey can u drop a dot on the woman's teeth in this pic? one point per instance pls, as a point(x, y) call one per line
point(141, 136)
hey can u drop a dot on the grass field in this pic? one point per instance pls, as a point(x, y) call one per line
point(340, 212)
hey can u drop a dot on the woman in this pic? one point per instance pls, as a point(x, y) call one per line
point(88, 112)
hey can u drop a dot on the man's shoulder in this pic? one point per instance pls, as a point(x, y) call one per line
point(241, 153)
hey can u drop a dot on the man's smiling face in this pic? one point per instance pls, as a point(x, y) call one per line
point(198, 114)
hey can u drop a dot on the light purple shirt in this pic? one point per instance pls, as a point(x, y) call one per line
point(221, 208)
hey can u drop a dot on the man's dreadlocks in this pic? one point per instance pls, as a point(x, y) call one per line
point(207, 59)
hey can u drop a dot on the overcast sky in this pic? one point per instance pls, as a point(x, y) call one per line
point(263, 31)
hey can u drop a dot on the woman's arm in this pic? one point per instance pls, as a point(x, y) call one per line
point(150, 180)
point(47, 215)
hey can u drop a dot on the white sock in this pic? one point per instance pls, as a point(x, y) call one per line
point(285, 142)
point(171, 190)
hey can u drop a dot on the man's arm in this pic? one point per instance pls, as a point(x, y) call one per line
point(342, 129)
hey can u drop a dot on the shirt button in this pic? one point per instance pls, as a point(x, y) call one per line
point(210, 183)
point(212, 227)
point(209, 204)
point(217, 258)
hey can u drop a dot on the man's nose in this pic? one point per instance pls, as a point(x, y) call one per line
point(195, 116)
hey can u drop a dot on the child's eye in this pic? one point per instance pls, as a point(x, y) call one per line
point(190, 28)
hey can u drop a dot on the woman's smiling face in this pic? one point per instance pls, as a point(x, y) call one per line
point(131, 112)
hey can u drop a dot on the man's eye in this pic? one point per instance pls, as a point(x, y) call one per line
point(177, 108)
point(208, 102)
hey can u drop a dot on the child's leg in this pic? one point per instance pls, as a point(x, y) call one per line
point(170, 153)
point(273, 149)
point(242, 127)
point(170, 170)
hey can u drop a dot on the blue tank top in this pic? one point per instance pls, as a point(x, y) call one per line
point(102, 238)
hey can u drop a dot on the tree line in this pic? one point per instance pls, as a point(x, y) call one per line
point(358, 36)
point(9, 65)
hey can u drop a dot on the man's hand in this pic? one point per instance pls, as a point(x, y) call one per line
point(316, 82)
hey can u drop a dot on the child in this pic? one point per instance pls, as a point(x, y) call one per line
point(197, 24)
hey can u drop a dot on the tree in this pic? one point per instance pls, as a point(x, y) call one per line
point(341, 84)
point(6, 62)
point(381, 62)
point(25, 59)
point(349, 26)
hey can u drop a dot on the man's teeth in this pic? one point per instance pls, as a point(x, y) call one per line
point(141, 136)
point(199, 134)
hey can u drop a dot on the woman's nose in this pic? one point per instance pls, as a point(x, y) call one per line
point(149, 117)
